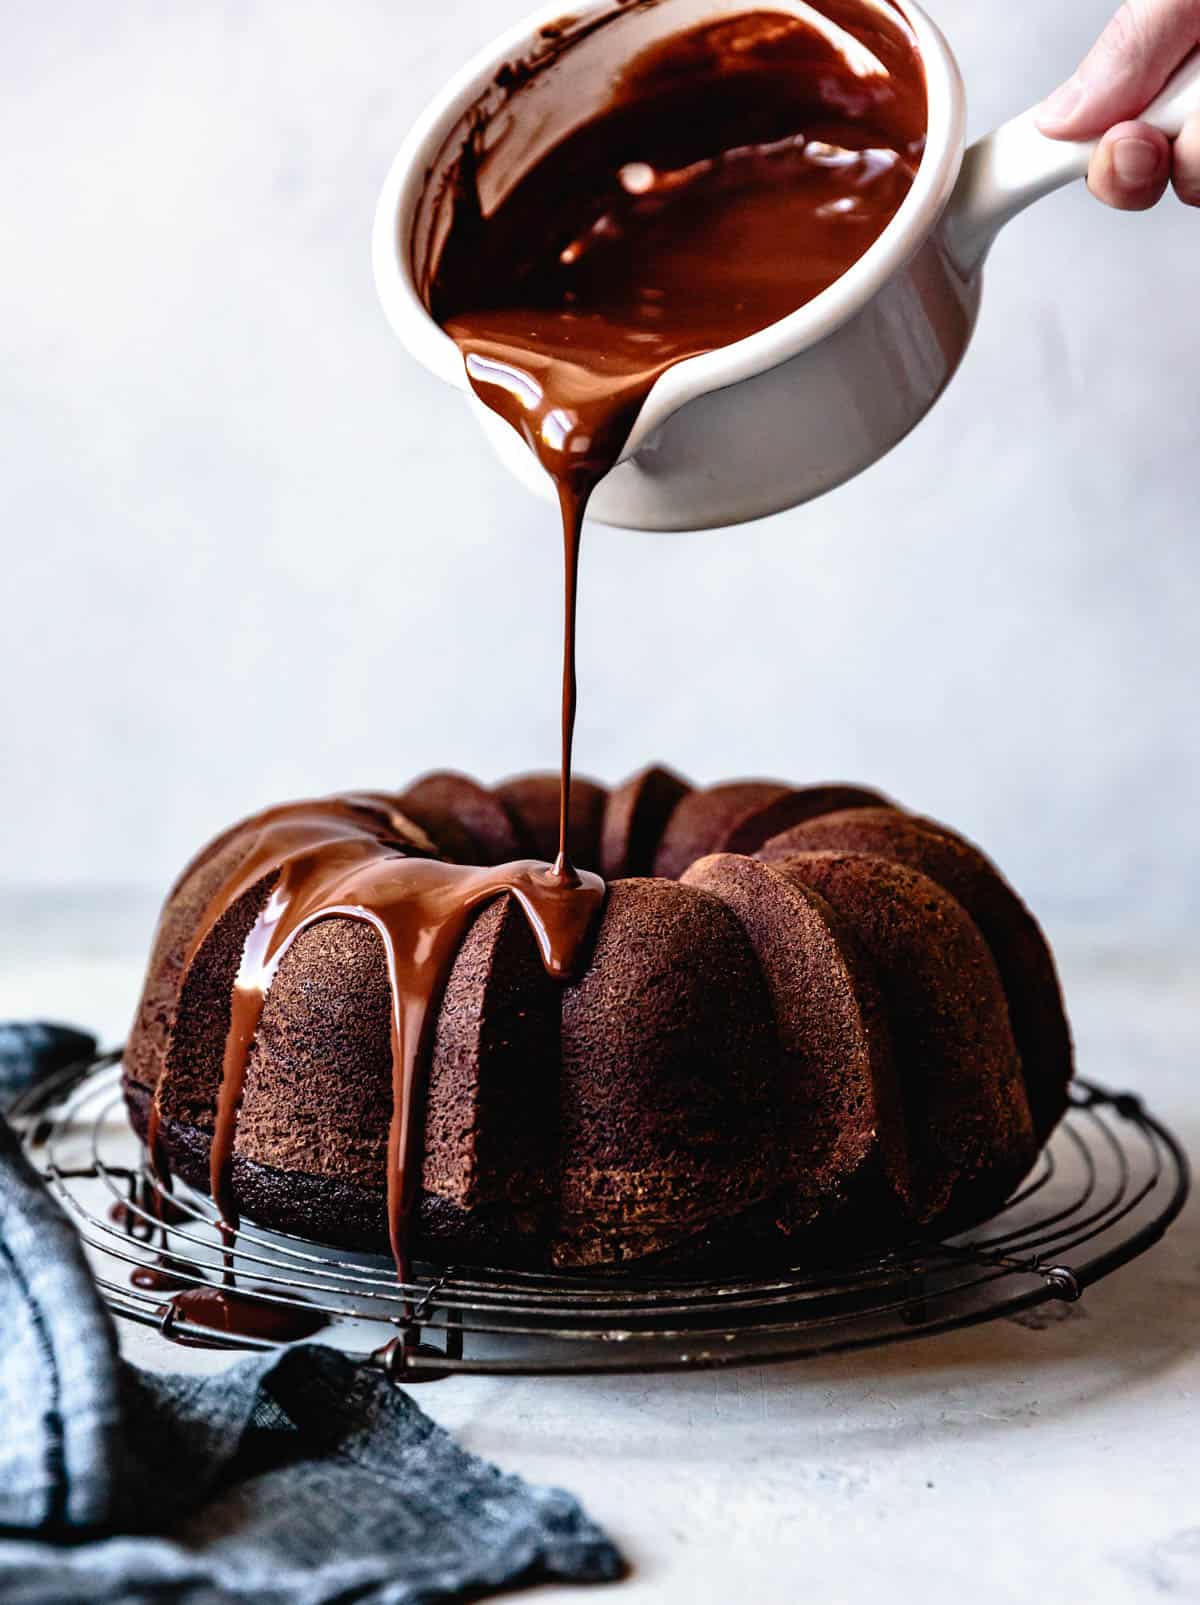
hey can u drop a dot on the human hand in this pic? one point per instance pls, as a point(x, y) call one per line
point(1121, 75)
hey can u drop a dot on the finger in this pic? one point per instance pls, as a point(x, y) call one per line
point(1131, 167)
point(1125, 69)
point(1186, 170)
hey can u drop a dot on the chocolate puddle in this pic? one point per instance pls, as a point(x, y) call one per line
point(163, 1274)
point(220, 1310)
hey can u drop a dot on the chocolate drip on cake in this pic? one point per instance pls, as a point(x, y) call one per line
point(352, 857)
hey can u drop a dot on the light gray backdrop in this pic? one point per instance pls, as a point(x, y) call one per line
point(250, 552)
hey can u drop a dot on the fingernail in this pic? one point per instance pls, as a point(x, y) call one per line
point(1135, 162)
point(1062, 103)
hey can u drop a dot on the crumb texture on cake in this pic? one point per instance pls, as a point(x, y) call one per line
point(810, 1023)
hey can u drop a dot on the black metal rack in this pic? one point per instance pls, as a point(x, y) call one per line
point(1110, 1183)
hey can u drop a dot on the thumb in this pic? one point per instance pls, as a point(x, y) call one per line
point(1125, 69)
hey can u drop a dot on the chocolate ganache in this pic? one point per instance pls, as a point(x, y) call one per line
point(737, 171)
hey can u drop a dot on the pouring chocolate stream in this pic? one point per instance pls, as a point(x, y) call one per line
point(737, 171)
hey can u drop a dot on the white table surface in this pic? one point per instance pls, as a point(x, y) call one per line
point(1055, 1458)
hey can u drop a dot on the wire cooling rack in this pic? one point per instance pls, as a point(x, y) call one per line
point(1109, 1184)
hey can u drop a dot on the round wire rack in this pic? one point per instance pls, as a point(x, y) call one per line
point(1107, 1187)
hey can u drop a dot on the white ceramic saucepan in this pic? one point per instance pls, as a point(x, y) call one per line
point(778, 418)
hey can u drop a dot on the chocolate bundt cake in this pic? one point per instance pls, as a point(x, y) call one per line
point(799, 1020)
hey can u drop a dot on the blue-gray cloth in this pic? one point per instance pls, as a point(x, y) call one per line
point(293, 1478)
point(30, 1052)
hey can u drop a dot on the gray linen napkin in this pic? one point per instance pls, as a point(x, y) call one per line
point(29, 1051)
point(293, 1478)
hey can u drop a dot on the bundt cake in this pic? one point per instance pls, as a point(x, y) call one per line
point(799, 1021)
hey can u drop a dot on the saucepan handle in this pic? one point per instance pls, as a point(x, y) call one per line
point(1005, 172)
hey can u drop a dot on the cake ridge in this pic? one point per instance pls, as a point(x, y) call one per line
point(1012, 934)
